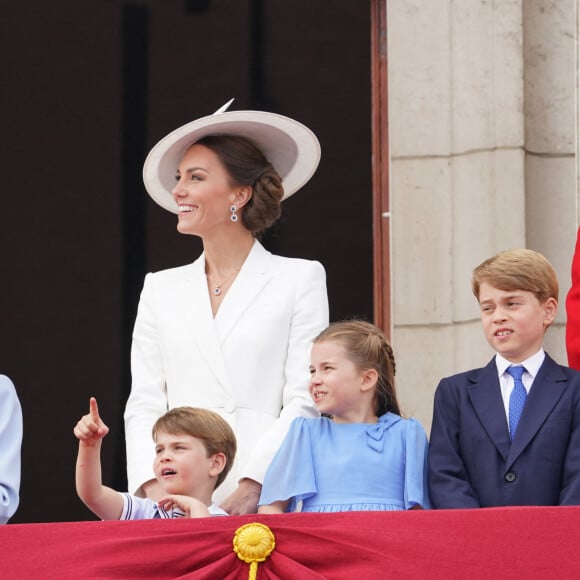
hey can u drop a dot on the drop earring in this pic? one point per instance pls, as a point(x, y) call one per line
point(234, 216)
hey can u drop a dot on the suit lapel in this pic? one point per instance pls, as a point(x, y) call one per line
point(547, 388)
point(199, 319)
point(485, 396)
point(250, 281)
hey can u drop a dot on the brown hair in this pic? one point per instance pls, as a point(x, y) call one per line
point(247, 165)
point(367, 347)
point(215, 433)
point(519, 269)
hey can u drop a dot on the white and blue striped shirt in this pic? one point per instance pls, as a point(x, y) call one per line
point(143, 508)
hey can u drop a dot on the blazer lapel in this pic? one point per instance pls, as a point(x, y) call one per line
point(250, 281)
point(485, 396)
point(547, 388)
point(197, 311)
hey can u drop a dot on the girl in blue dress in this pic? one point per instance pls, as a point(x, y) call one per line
point(360, 454)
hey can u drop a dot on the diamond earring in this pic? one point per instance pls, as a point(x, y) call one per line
point(234, 216)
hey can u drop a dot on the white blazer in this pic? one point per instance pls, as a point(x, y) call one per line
point(250, 363)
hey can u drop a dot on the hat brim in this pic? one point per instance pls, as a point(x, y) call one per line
point(291, 148)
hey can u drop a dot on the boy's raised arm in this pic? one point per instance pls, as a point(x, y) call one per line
point(101, 500)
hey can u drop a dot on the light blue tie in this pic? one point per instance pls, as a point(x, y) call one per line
point(517, 398)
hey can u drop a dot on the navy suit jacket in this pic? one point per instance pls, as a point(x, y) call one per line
point(472, 462)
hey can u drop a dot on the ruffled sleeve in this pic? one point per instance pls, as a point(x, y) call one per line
point(416, 490)
point(291, 474)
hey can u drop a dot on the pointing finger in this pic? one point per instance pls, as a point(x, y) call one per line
point(94, 410)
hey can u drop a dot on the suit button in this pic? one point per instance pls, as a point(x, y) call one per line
point(510, 476)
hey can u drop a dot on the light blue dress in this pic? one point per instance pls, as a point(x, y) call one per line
point(337, 467)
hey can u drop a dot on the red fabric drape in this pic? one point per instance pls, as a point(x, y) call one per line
point(475, 544)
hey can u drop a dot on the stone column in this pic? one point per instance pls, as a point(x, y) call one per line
point(551, 134)
point(457, 191)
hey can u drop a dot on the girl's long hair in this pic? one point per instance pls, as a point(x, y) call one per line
point(367, 347)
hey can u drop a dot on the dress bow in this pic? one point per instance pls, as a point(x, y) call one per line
point(376, 431)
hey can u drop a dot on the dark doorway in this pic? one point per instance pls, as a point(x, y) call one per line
point(87, 88)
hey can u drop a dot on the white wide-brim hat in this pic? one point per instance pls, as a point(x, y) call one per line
point(291, 148)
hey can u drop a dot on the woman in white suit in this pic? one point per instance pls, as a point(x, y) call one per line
point(230, 332)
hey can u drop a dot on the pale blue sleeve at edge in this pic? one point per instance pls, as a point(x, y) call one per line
point(10, 445)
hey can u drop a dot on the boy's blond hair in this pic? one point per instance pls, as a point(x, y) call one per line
point(519, 269)
point(214, 431)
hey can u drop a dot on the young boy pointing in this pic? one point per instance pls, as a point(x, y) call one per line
point(194, 451)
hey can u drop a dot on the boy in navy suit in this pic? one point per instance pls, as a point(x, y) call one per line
point(509, 433)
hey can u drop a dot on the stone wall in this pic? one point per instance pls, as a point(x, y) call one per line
point(482, 113)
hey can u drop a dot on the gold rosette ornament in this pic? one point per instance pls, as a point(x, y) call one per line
point(253, 543)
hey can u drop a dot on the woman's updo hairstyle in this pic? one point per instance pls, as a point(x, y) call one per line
point(247, 165)
point(367, 347)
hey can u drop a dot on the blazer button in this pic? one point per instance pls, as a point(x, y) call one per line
point(229, 406)
point(510, 476)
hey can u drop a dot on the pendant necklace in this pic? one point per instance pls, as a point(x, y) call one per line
point(217, 287)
